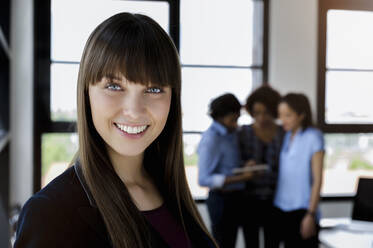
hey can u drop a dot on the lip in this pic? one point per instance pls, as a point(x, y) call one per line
point(129, 135)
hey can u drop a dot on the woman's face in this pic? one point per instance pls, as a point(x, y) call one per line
point(128, 116)
point(230, 121)
point(261, 115)
point(291, 121)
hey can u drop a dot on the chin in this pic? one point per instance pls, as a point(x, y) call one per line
point(128, 151)
point(131, 153)
point(286, 128)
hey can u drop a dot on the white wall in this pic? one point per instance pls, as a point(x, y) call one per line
point(293, 47)
point(21, 95)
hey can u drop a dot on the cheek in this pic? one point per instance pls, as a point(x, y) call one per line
point(294, 120)
point(102, 107)
point(160, 110)
point(164, 110)
point(288, 120)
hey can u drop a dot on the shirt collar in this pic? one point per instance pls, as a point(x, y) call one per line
point(220, 128)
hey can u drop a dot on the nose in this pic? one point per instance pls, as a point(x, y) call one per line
point(133, 106)
point(259, 118)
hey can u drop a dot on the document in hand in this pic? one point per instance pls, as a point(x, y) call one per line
point(254, 168)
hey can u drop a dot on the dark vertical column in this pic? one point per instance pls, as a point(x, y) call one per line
point(42, 61)
point(175, 22)
point(265, 39)
point(4, 104)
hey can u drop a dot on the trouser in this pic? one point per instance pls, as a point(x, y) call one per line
point(225, 211)
point(288, 229)
point(259, 214)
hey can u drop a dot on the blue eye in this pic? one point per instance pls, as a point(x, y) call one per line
point(154, 90)
point(113, 86)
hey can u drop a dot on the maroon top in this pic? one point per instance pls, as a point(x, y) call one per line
point(168, 227)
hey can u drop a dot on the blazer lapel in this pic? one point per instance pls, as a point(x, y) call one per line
point(89, 212)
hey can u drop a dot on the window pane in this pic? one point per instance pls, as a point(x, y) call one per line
point(191, 142)
point(63, 91)
point(201, 85)
point(219, 32)
point(58, 150)
point(349, 97)
point(348, 157)
point(349, 39)
point(70, 29)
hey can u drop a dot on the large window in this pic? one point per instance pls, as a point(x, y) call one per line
point(223, 48)
point(345, 102)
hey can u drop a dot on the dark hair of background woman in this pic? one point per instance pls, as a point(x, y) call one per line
point(301, 105)
point(224, 105)
point(266, 95)
point(136, 47)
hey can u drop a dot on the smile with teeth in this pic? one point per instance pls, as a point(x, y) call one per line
point(131, 129)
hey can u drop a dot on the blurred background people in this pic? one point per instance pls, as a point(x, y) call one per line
point(260, 143)
point(300, 174)
point(219, 155)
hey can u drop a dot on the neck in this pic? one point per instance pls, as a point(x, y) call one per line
point(295, 130)
point(130, 169)
point(229, 129)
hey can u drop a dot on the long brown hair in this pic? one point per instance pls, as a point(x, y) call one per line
point(137, 47)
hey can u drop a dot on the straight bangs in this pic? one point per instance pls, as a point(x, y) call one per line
point(140, 53)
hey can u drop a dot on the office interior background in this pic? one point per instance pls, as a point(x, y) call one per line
point(322, 48)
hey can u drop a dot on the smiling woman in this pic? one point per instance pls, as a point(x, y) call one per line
point(127, 183)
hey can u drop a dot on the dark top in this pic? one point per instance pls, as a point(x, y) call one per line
point(168, 227)
point(252, 147)
point(64, 214)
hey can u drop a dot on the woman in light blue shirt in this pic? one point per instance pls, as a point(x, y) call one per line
point(300, 174)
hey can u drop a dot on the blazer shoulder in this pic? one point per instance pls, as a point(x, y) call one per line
point(41, 223)
point(64, 190)
point(49, 215)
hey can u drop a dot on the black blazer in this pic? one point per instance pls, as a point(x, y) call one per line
point(64, 214)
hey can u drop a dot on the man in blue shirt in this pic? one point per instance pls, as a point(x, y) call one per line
point(219, 155)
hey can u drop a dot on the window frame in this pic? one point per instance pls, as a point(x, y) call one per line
point(324, 7)
point(42, 72)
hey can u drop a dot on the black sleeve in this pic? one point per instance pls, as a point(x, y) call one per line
point(39, 225)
